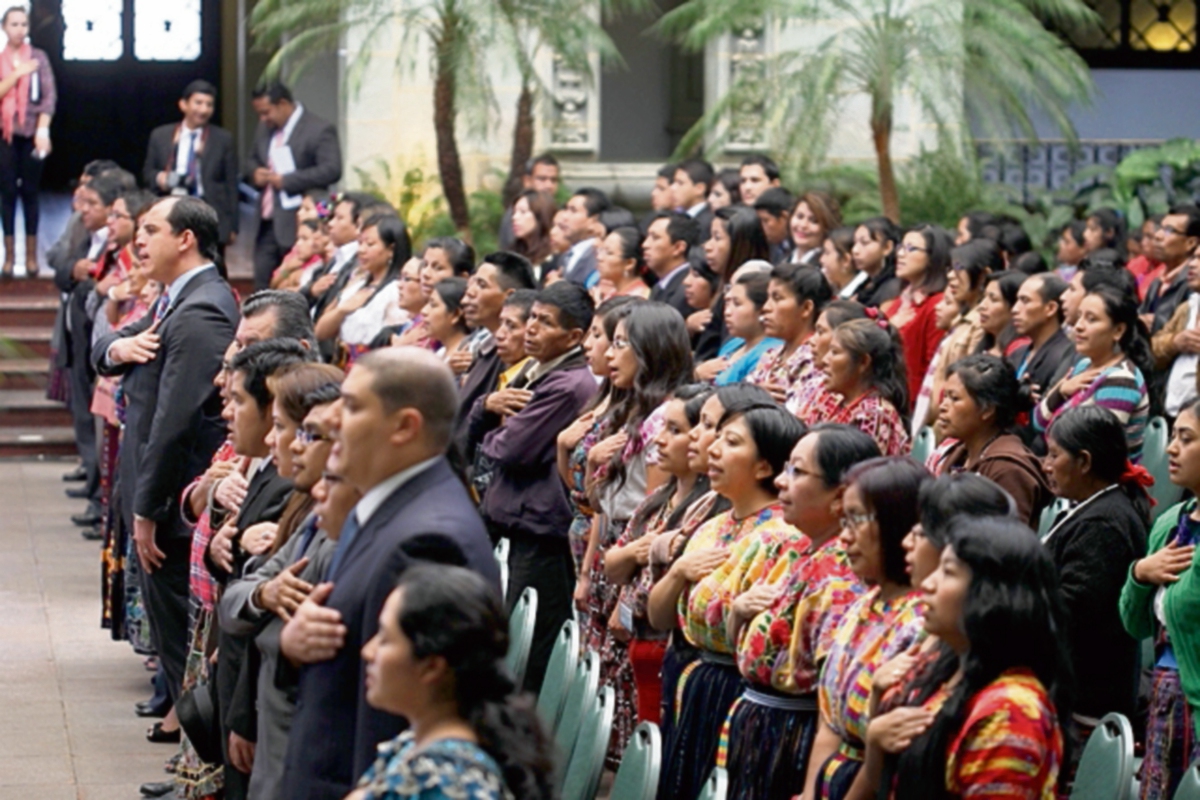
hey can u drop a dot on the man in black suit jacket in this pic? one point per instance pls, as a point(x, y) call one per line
point(287, 133)
point(690, 186)
point(195, 159)
point(397, 419)
point(173, 424)
point(669, 239)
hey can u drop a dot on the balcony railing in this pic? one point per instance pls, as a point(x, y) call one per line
point(1034, 168)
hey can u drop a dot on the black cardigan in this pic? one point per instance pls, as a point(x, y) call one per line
point(1093, 550)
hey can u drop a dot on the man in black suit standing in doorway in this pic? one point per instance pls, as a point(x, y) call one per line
point(295, 151)
point(173, 424)
point(192, 158)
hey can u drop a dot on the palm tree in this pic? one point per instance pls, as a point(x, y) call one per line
point(988, 63)
point(461, 35)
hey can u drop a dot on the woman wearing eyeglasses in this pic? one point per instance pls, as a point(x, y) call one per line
point(780, 625)
point(878, 511)
point(922, 260)
point(729, 555)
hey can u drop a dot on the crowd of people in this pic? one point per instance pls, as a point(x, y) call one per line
point(694, 432)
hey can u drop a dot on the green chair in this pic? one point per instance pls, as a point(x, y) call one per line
point(1154, 459)
point(716, 787)
point(1189, 787)
point(637, 778)
point(923, 445)
point(1106, 767)
point(1049, 514)
point(501, 553)
point(560, 673)
point(580, 697)
point(587, 759)
point(520, 634)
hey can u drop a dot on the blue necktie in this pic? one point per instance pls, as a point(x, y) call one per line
point(307, 533)
point(160, 310)
point(349, 531)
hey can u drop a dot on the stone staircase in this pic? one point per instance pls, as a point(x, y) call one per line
point(30, 425)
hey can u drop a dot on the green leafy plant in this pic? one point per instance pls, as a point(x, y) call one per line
point(1146, 182)
point(987, 62)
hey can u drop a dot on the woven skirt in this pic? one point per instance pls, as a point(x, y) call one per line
point(707, 689)
point(766, 744)
point(1171, 743)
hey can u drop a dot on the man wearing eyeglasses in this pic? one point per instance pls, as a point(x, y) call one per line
point(1177, 238)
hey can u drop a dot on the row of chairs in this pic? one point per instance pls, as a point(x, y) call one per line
point(1154, 459)
point(1108, 768)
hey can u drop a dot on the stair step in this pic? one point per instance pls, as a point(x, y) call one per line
point(20, 287)
point(26, 342)
point(28, 408)
point(28, 311)
point(28, 442)
point(24, 373)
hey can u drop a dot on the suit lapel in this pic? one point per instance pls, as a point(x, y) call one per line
point(391, 508)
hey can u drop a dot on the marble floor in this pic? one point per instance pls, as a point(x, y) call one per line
point(66, 689)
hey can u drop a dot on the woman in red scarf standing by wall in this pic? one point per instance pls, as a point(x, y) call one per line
point(27, 102)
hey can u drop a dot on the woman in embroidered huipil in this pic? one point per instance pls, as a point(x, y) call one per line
point(865, 384)
point(727, 556)
point(436, 661)
point(795, 297)
point(984, 719)
point(782, 627)
point(878, 511)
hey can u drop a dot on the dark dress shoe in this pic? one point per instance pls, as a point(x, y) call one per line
point(159, 736)
point(88, 518)
point(77, 493)
point(157, 789)
point(155, 710)
point(93, 534)
point(77, 474)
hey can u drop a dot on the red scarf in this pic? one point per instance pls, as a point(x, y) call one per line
point(15, 102)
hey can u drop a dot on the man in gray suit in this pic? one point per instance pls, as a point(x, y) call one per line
point(295, 151)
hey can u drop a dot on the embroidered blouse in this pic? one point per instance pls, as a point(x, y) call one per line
point(773, 368)
point(784, 646)
point(448, 769)
point(870, 632)
point(1010, 745)
point(755, 544)
point(870, 413)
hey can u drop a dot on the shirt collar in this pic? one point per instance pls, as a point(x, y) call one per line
point(183, 280)
point(697, 209)
point(376, 495)
point(344, 253)
point(670, 276)
point(539, 369)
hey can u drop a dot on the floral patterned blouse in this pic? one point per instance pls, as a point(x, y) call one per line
point(871, 632)
point(773, 368)
point(449, 769)
point(1010, 744)
point(870, 413)
point(784, 646)
point(756, 545)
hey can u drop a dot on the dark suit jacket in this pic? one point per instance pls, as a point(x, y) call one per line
point(582, 269)
point(671, 293)
point(76, 336)
point(173, 420)
point(479, 381)
point(334, 732)
point(1093, 550)
point(318, 157)
point(1044, 370)
point(218, 170)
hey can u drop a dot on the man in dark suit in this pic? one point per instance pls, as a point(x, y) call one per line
point(250, 421)
point(669, 239)
point(396, 421)
point(581, 226)
point(690, 186)
point(295, 151)
point(173, 424)
point(195, 159)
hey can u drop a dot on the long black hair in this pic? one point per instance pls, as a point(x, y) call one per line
point(451, 292)
point(746, 238)
point(938, 244)
point(693, 396)
point(610, 312)
point(960, 494)
point(393, 235)
point(992, 383)
point(775, 432)
point(879, 341)
point(838, 449)
point(1013, 617)
point(1008, 284)
point(883, 230)
point(1122, 309)
point(889, 487)
point(976, 260)
point(1097, 431)
point(453, 613)
point(658, 337)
